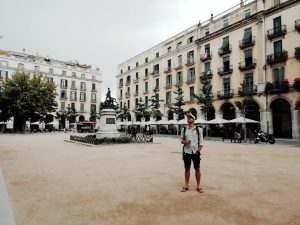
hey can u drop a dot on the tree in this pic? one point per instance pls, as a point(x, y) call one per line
point(141, 110)
point(25, 97)
point(155, 104)
point(177, 108)
point(123, 113)
point(205, 97)
point(71, 114)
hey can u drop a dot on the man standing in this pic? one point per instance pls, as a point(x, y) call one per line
point(192, 140)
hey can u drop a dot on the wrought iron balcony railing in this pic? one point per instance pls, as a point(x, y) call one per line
point(206, 56)
point(225, 94)
point(247, 65)
point(277, 57)
point(168, 70)
point(225, 70)
point(225, 50)
point(279, 31)
point(247, 42)
point(206, 74)
point(247, 90)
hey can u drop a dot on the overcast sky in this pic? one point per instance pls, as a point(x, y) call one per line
point(97, 32)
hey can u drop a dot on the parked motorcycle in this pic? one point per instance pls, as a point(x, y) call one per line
point(264, 137)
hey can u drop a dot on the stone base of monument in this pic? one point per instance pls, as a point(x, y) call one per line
point(108, 126)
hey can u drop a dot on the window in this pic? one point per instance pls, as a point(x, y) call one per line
point(157, 83)
point(128, 79)
point(51, 71)
point(93, 77)
point(73, 96)
point(226, 64)
point(179, 60)
point(128, 91)
point(192, 93)
point(179, 79)
point(191, 74)
point(137, 75)
point(36, 68)
point(128, 68)
point(82, 86)
point(206, 31)
point(63, 73)
point(121, 71)
point(225, 45)
point(63, 83)
point(146, 60)
point(74, 75)
point(169, 49)
point(63, 94)
point(247, 13)
point(3, 63)
point(93, 97)
point(146, 86)
point(190, 57)
point(81, 107)
point(93, 107)
point(168, 97)
point(146, 72)
point(207, 48)
point(247, 36)
point(190, 40)
point(121, 93)
point(146, 101)
point(277, 45)
point(121, 105)
point(276, 2)
point(62, 106)
point(156, 69)
point(73, 84)
point(168, 80)
point(4, 74)
point(248, 57)
point(128, 104)
point(136, 64)
point(226, 85)
point(157, 55)
point(73, 106)
point(248, 81)
point(169, 64)
point(82, 96)
point(179, 44)
point(225, 23)
point(136, 89)
point(277, 25)
point(121, 82)
point(136, 102)
point(82, 75)
point(20, 66)
point(50, 79)
point(207, 68)
point(278, 74)
point(93, 87)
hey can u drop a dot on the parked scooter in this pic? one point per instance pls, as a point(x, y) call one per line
point(264, 137)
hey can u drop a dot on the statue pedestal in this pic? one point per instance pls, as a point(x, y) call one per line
point(108, 126)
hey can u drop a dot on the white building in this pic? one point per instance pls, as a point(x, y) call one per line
point(78, 85)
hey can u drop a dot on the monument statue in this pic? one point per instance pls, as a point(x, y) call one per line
point(109, 103)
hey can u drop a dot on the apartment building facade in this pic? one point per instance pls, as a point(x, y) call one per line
point(255, 43)
point(77, 85)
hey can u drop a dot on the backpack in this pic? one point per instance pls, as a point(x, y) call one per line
point(198, 132)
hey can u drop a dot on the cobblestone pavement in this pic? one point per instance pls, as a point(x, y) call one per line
point(53, 182)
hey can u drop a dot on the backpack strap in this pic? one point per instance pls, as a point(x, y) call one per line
point(198, 134)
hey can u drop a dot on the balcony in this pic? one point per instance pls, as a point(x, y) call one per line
point(225, 94)
point(127, 94)
point(156, 88)
point(63, 87)
point(168, 70)
point(146, 77)
point(276, 32)
point(247, 90)
point(179, 67)
point(297, 25)
point(82, 100)
point(93, 90)
point(120, 85)
point(73, 99)
point(146, 91)
point(93, 100)
point(191, 80)
point(155, 73)
point(247, 65)
point(277, 87)
point(127, 82)
point(73, 88)
point(168, 102)
point(179, 83)
point(297, 53)
point(82, 88)
point(206, 56)
point(191, 100)
point(207, 74)
point(136, 80)
point(278, 57)
point(247, 42)
point(190, 62)
point(225, 50)
point(225, 70)
point(136, 93)
point(168, 85)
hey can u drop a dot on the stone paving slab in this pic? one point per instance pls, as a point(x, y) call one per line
point(6, 214)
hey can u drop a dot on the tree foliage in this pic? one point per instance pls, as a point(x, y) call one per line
point(155, 105)
point(177, 108)
point(205, 97)
point(245, 105)
point(25, 97)
point(141, 110)
point(123, 113)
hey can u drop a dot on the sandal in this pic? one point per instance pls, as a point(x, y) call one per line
point(184, 189)
point(200, 190)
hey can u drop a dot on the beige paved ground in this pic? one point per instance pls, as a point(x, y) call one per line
point(52, 182)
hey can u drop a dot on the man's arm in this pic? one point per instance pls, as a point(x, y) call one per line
point(200, 146)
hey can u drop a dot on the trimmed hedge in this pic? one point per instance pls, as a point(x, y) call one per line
point(91, 139)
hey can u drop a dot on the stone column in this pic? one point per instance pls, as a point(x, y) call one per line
point(295, 124)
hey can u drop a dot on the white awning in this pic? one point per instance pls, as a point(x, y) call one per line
point(217, 121)
point(242, 120)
